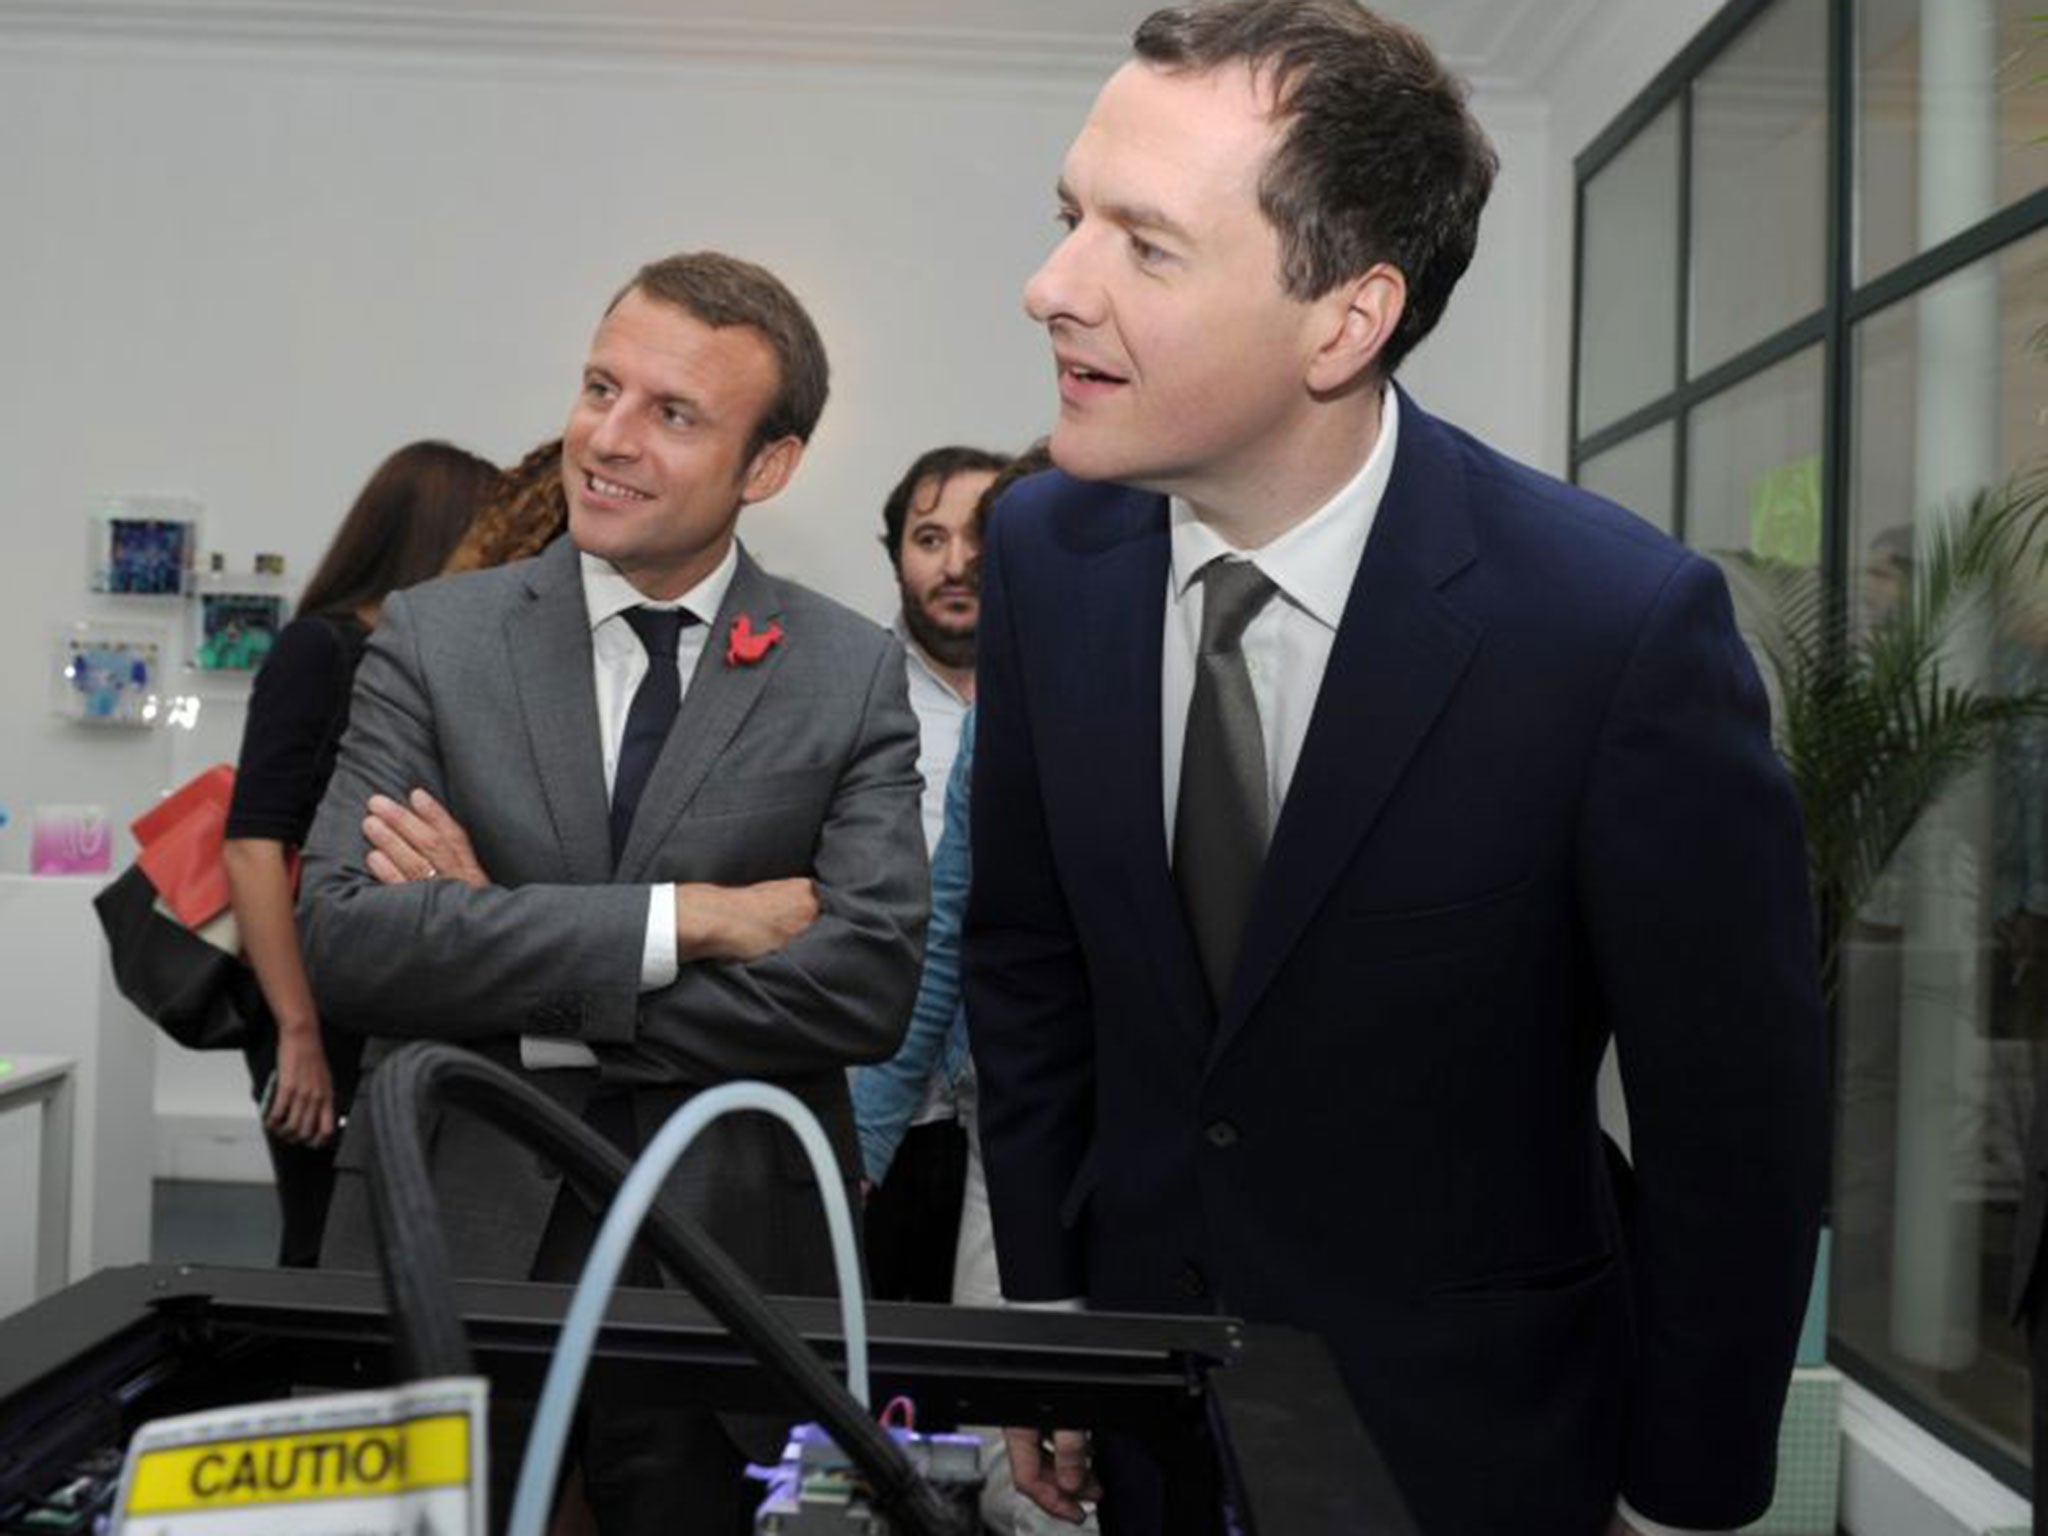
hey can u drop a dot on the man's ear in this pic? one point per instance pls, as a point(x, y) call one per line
point(771, 469)
point(1359, 318)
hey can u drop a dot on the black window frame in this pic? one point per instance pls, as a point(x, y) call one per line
point(1845, 304)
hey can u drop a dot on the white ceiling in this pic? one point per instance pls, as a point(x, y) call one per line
point(1466, 27)
point(1505, 44)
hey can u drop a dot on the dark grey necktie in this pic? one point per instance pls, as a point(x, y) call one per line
point(1219, 828)
point(653, 711)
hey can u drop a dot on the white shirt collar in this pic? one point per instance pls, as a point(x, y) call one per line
point(606, 592)
point(1313, 562)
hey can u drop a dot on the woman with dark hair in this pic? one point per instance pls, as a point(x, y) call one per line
point(401, 530)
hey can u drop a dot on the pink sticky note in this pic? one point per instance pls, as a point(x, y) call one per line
point(71, 840)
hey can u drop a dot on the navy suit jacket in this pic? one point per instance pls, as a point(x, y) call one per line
point(1537, 807)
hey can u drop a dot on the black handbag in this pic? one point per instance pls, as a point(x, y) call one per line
point(198, 994)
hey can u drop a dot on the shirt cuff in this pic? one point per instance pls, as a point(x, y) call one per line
point(546, 1053)
point(658, 965)
point(1650, 1527)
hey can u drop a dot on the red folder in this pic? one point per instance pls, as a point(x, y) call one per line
point(180, 838)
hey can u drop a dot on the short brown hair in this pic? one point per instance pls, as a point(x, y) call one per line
point(1380, 159)
point(722, 290)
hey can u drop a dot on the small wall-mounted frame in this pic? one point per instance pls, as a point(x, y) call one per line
point(109, 675)
point(145, 546)
point(237, 629)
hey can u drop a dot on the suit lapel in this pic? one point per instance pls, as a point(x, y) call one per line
point(718, 698)
point(1123, 631)
point(1400, 649)
point(548, 640)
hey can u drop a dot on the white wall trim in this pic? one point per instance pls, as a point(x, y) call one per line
point(1898, 1480)
point(325, 27)
point(1513, 60)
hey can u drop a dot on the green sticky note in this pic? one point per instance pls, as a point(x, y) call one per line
point(1784, 513)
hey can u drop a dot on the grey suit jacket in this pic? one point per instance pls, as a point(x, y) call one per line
point(478, 687)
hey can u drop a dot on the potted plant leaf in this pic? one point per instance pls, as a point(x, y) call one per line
point(1876, 723)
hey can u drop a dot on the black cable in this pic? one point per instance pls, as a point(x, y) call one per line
point(419, 1279)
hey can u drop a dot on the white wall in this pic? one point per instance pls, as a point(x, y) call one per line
point(245, 278)
point(1487, 366)
point(243, 273)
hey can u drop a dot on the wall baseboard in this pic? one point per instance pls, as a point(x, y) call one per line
point(219, 1148)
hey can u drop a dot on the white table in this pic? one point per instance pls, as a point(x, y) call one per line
point(60, 1001)
point(42, 1085)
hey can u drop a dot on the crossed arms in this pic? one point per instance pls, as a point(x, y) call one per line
point(505, 953)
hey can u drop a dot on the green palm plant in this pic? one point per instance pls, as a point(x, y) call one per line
point(1875, 726)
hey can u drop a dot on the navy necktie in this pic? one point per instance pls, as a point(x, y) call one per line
point(653, 711)
point(1219, 836)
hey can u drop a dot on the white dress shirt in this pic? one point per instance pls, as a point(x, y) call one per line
point(618, 663)
point(1287, 646)
point(941, 711)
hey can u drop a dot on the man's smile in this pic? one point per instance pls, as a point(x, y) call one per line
point(599, 488)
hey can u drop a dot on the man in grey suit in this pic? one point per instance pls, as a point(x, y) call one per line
point(548, 873)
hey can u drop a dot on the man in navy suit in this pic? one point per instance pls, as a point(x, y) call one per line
point(1342, 789)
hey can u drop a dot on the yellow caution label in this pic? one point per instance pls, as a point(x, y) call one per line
point(293, 1468)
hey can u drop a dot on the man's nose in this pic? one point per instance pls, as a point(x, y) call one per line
point(1058, 287)
point(614, 437)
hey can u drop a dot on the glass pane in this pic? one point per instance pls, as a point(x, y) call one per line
point(1753, 466)
point(1945, 1001)
point(1951, 123)
point(1628, 316)
point(1759, 197)
point(1636, 473)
